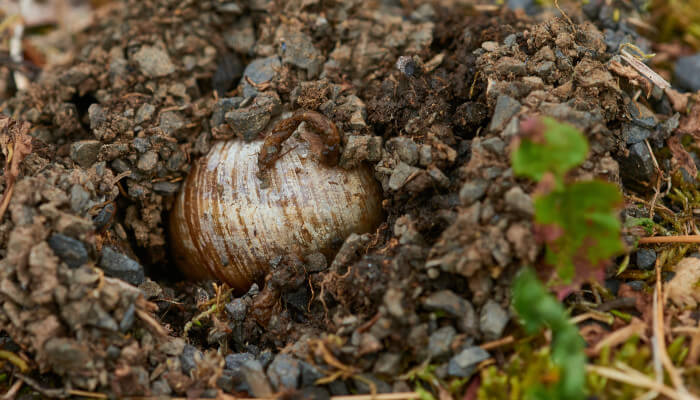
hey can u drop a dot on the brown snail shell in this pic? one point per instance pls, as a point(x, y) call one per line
point(228, 224)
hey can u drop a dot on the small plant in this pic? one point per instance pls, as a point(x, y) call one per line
point(578, 223)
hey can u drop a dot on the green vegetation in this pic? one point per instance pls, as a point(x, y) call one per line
point(578, 223)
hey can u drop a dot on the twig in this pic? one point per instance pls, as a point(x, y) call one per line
point(498, 343)
point(670, 239)
point(660, 337)
point(639, 380)
point(11, 393)
point(645, 71)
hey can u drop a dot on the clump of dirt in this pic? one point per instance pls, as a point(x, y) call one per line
point(431, 97)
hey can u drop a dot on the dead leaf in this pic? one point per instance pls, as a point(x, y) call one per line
point(16, 144)
point(679, 101)
point(632, 75)
point(683, 289)
point(681, 155)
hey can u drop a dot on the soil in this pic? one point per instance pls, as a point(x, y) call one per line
point(428, 95)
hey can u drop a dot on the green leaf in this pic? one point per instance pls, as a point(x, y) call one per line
point(586, 215)
point(537, 308)
point(564, 148)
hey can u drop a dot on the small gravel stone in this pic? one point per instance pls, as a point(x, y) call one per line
point(236, 360)
point(440, 342)
point(637, 169)
point(472, 191)
point(128, 319)
point(237, 309)
point(171, 123)
point(646, 259)
point(223, 106)
point(253, 376)
point(400, 175)
point(284, 372)
point(493, 320)
point(189, 358)
point(261, 70)
point(388, 364)
point(141, 144)
point(309, 374)
point(687, 72)
point(166, 188)
point(118, 265)
point(405, 148)
point(79, 198)
point(494, 144)
point(454, 306)
point(248, 122)
point(464, 364)
point(506, 108)
point(154, 62)
point(519, 202)
point(85, 152)
point(298, 49)
point(148, 161)
point(70, 251)
point(144, 113)
point(633, 133)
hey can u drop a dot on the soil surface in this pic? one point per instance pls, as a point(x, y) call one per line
point(430, 96)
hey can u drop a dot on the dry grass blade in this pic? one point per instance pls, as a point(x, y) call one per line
point(660, 337)
point(619, 336)
point(645, 71)
point(635, 379)
point(380, 396)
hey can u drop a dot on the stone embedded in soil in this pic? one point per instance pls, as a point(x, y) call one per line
point(237, 309)
point(633, 133)
point(171, 123)
point(166, 188)
point(493, 320)
point(454, 306)
point(637, 169)
point(440, 342)
point(118, 265)
point(297, 48)
point(506, 108)
point(254, 377)
point(235, 361)
point(248, 122)
point(400, 175)
point(309, 374)
point(79, 198)
point(259, 71)
point(464, 364)
point(148, 161)
point(223, 106)
point(144, 113)
point(646, 258)
point(284, 372)
point(361, 148)
point(69, 250)
point(472, 191)
point(520, 202)
point(85, 152)
point(189, 358)
point(388, 364)
point(363, 387)
point(154, 62)
point(494, 144)
point(687, 72)
point(405, 148)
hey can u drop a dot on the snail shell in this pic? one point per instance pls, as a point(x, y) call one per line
point(228, 224)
